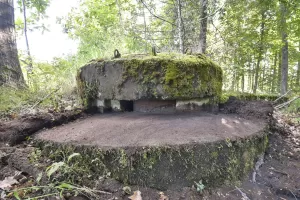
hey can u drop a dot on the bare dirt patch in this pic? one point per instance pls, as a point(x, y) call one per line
point(16, 130)
point(248, 109)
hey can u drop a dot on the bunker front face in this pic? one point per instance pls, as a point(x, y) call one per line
point(150, 83)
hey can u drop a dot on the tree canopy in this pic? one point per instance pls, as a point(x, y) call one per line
point(254, 41)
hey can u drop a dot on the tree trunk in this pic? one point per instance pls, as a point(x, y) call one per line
point(263, 78)
point(249, 72)
point(180, 27)
point(284, 50)
point(29, 67)
point(243, 80)
point(203, 25)
point(298, 71)
point(10, 70)
point(145, 29)
point(274, 78)
point(279, 71)
point(260, 53)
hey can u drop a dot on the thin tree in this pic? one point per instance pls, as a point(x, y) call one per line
point(284, 49)
point(180, 27)
point(29, 67)
point(261, 50)
point(10, 70)
point(203, 25)
point(298, 71)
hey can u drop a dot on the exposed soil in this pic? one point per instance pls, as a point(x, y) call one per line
point(17, 130)
point(261, 110)
point(278, 176)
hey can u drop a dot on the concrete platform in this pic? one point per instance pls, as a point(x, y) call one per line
point(144, 129)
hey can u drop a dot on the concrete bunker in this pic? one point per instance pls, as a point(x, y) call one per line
point(164, 151)
point(141, 83)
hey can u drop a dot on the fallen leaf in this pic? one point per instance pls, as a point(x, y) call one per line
point(136, 195)
point(162, 196)
point(8, 182)
point(127, 190)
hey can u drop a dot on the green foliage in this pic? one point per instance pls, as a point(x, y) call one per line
point(200, 186)
point(54, 167)
point(55, 188)
point(59, 189)
point(99, 26)
point(249, 96)
point(36, 11)
point(14, 100)
point(50, 86)
point(65, 170)
point(62, 166)
point(294, 107)
point(251, 32)
point(50, 76)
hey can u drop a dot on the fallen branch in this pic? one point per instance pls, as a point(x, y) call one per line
point(156, 16)
point(43, 99)
point(242, 193)
point(282, 96)
point(286, 103)
point(280, 172)
point(293, 195)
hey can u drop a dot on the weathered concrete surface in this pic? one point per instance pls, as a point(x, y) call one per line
point(138, 129)
point(162, 77)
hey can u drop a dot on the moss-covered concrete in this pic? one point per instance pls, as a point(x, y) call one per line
point(165, 76)
point(164, 167)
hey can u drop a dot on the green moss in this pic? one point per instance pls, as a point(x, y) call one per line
point(181, 76)
point(87, 91)
point(214, 163)
point(250, 97)
point(214, 154)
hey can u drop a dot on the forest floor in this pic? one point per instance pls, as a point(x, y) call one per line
point(277, 176)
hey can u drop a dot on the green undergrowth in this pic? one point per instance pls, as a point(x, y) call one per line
point(23, 101)
point(13, 100)
point(292, 113)
point(250, 97)
point(293, 107)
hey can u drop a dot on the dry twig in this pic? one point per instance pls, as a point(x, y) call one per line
point(245, 197)
point(43, 99)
